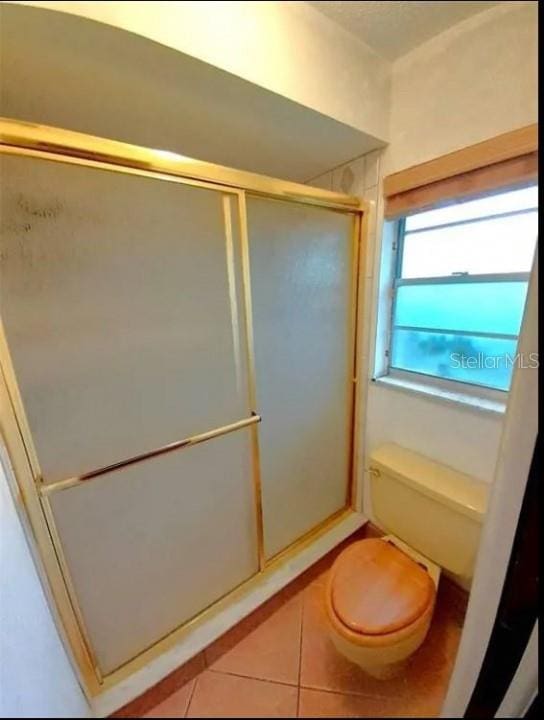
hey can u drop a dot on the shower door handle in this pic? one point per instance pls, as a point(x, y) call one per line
point(171, 447)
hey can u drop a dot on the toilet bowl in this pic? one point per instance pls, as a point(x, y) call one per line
point(380, 598)
point(381, 592)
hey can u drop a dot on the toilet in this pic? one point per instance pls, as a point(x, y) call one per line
point(380, 592)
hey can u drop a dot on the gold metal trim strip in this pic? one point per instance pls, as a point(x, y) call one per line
point(109, 167)
point(59, 142)
point(252, 378)
point(46, 490)
point(42, 522)
point(233, 301)
point(70, 588)
point(308, 536)
point(35, 525)
point(354, 409)
point(361, 238)
point(17, 402)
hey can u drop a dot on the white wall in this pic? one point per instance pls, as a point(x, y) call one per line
point(287, 47)
point(50, 62)
point(465, 439)
point(476, 80)
point(36, 678)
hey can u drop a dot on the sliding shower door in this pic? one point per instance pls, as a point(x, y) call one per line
point(122, 306)
point(179, 356)
point(302, 274)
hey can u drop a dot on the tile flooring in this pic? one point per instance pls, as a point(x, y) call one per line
point(279, 662)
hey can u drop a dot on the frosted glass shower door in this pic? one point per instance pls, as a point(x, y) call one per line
point(120, 298)
point(302, 275)
point(119, 304)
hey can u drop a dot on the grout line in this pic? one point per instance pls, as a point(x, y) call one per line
point(339, 692)
point(364, 696)
point(185, 714)
point(348, 162)
point(252, 677)
point(303, 600)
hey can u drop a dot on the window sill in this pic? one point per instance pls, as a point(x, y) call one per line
point(473, 402)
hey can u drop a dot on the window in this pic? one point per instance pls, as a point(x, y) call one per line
point(460, 286)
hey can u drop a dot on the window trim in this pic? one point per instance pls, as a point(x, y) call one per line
point(474, 397)
point(464, 278)
point(446, 387)
point(501, 161)
point(471, 221)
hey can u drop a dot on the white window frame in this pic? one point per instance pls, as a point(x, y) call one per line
point(479, 396)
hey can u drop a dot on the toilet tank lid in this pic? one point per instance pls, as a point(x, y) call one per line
point(461, 492)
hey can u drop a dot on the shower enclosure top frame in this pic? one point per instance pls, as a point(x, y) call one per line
point(42, 141)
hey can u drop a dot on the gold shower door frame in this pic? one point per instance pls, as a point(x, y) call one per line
point(32, 494)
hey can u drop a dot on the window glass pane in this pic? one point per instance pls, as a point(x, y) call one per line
point(502, 245)
point(492, 205)
point(476, 360)
point(485, 307)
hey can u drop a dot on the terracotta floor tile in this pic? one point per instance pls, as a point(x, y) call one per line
point(162, 691)
point(219, 695)
point(319, 704)
point(437, 654)
point(254, 668)
point(429, 669)
point(322, 666)
point(269, 650)
point(176, 705)
point(410, 706)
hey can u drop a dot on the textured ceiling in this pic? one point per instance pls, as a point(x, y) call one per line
point(393, 28)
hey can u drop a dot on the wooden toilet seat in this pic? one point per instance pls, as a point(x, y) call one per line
point(376, 594)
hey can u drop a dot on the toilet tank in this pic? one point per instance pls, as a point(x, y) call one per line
point(434, 509)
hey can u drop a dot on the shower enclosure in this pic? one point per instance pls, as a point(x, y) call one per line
point(178, 350)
